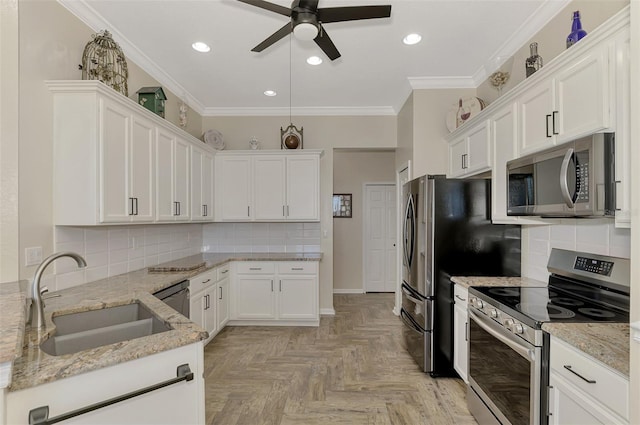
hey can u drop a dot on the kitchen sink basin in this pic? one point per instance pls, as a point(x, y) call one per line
point(90, 329)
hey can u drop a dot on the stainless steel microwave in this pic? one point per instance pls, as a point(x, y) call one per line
point(576, 179)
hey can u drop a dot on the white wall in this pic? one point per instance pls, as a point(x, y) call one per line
point(597, 236)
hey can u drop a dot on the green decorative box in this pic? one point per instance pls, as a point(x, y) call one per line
point(152, 98)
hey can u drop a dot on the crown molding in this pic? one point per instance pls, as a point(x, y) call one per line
point(87, 14)
point(300, 111)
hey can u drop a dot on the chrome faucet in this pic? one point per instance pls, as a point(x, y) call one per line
point(37, 310)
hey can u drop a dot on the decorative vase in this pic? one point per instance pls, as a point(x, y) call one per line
point(577, 33)
point(533, 62)
point(462, 114)
point(254, 144)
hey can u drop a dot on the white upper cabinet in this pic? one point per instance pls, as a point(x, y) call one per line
point(172, 177)
point(117, 162)
point(233, 187)
point(573, 103)
point(470, 152)
point(201, 184)
point(267, 186)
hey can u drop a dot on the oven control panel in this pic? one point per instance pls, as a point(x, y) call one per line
point(592, 265)
point(504, 320)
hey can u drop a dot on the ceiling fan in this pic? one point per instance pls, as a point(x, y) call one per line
point(307, 19)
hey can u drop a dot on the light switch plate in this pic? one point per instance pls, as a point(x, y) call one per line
point(33, 256)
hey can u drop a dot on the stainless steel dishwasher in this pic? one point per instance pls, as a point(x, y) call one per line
point(176, 296)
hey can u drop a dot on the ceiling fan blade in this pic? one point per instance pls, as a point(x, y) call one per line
point(268, 6)
point(327, 46)
point(281, 33)
point(352, 13)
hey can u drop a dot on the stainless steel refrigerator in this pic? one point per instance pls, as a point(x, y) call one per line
point(447, 231)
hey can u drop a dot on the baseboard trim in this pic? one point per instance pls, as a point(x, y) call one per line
point(327, 312)
point(348, 291)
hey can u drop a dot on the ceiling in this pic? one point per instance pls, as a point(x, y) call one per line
point(462, 43)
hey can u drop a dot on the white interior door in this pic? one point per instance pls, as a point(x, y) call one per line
point(379, 238)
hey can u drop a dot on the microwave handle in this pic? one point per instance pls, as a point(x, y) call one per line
point(564, 184)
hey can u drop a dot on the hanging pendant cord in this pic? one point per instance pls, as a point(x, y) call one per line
point(290, 60)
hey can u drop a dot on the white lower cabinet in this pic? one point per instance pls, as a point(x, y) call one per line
point(278, 293)
point(583, 390)
point(178, 403)
point(209, 301)
point(460, 326)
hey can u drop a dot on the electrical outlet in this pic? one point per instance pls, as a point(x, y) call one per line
point(33, 256)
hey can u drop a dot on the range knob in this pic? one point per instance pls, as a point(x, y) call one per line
point(507, 323)
point(479, 304)
point(518, 328)
point(494, 313)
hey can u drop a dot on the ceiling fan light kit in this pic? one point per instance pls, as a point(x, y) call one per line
point(306, 21)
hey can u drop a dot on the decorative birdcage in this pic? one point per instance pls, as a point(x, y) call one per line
point(103, 60)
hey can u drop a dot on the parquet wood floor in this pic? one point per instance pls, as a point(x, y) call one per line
point(352, 369)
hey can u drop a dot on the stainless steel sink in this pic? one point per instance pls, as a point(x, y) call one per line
point(90, 329)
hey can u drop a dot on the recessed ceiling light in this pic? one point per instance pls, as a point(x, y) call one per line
point(201, 47)
point(270, 93)
point(314, 60)
point(412, 39)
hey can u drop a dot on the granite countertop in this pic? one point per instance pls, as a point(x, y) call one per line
point(606, 342)
point(467, 281)
point(31, 366)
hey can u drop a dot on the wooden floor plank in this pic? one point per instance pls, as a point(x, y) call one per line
point(352, 369)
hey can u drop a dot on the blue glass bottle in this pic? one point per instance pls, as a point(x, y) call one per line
point(577, 32)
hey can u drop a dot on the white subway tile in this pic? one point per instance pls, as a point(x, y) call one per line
point(277, 248)
point(295, 248)
point(68, 280)
point(563, 232)
point(151, 250)
point(68, 234)
point(98, 259)
point(312, 248)
point(592, 248)
point(164, 257)
point(150, 260)
point(135, 254)
point(539, 232)
point(118, 239)
point(118, 268)
point(136, 264)
point(619, 251)
point(592, 232)
point(118, 256)
point(96, 273)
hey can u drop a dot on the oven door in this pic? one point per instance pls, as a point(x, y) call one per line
point(505, 372)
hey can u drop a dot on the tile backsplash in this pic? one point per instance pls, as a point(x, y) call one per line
point(596, 236)
point(113, 250)
point(261, 237)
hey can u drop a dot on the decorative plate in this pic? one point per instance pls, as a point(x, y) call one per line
point(471, 106)
point(214, 139)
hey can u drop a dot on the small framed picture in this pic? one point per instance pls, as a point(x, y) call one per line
point(342, 205)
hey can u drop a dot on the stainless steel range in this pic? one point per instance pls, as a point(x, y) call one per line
point(509, 351)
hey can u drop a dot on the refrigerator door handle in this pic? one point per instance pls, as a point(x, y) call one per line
point(410, 296)
point(409, 225)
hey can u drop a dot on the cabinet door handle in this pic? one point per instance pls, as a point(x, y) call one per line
point(136, 206)
point(130, 206)
point(589, 381)
point(280, 285)
point(460, 298)
point(206, 302)
point(254, 268)
point(287, 210)
point(466, 331)
point(547, 125)
point(553, 122)
point(283, 214)
point(220, 292)
point(179, 212)
point(205, 281)
point(462, 161)
point(224, 271)
point(204, 210)
point(271, 285)
point(248, 211)
point(297, 268)
point(175, 208)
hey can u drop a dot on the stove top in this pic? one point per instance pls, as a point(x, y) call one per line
point(549, 304)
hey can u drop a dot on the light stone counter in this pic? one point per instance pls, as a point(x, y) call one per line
point(31, 366)
point(606, 342)
point(467, 281)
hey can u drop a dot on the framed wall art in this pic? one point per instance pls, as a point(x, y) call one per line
point(342, 205)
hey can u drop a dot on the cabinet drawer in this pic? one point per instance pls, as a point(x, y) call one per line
point(298, 267)
point(255, 267)
point(460, 295)
point(610, 388)
point(202, 281)
point(222, 272)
